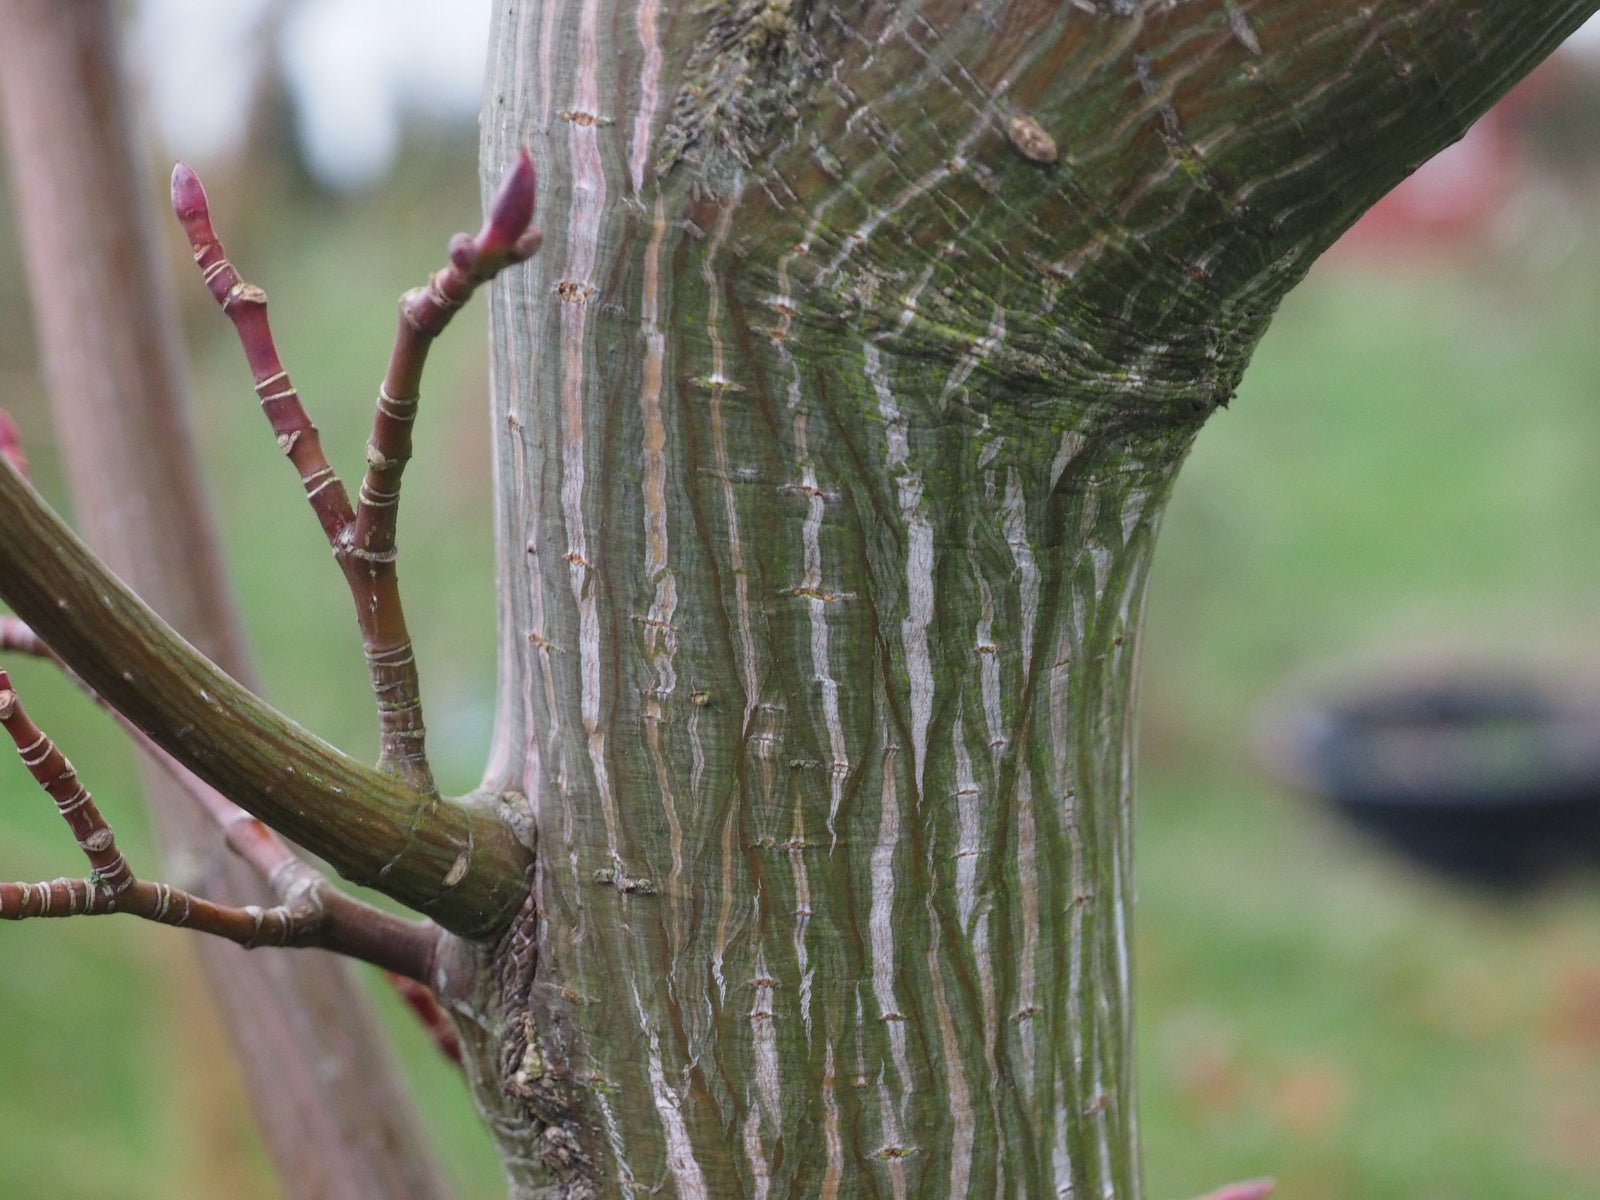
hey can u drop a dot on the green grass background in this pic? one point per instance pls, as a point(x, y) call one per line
point(1409, 468)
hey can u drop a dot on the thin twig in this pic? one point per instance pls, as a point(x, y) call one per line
point(246, 306)
point(404, 949)
point(348, 926)
point(112, 885)
point(17, 637)
point(425, 1005)
point(505, 238)
point(456, 860)
point(309, 911)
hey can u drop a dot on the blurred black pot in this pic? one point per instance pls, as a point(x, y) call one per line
point(1485, 780)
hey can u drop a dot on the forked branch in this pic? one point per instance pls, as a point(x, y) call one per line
point(345, 925)
point(363, 538)
point(455, 860)
point(405, 949)
point(308, 911)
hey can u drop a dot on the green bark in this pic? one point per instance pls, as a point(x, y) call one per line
point(452, 859)
point(833, 425)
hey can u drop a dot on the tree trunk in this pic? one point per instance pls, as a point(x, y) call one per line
point(833, 425)
point(832, 428)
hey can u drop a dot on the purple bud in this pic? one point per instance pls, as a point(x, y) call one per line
point(512, 208)
point(463, 252)
point(188, 197)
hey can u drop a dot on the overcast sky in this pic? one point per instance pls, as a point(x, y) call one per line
point(356, 71)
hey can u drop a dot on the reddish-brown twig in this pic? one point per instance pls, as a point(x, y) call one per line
point(18, 638)
point(111, 885)
point(506, 238)
point(427, 1009)
point(404, 949)
point(246, 306)
point(309, 912)
point(363, 539)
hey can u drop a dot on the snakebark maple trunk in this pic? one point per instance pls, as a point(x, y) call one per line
point(833, 426)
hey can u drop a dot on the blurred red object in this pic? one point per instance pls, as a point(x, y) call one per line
point(1452, 201)
point(11, 444)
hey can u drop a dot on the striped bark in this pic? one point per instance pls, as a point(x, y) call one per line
point(833, 425)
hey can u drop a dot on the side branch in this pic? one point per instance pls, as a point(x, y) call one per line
point(454, 860)
point(345, 925)
point(300, 919)
point(363, 540)
point(405, 950)
point(506, 238)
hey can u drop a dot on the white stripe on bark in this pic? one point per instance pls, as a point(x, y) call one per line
point(880, 926)
point(969, 799)
point(919, 560)
point(893, 1136)
point(764, 1035)
point(963, 1131)
point(830, 1129)
point(685, 1168)
point(755, 1155)
point(802, 912)
point(660, 635)
point(1060, 1155)
point(649, 92)
point(583, 240)
point(810, 585)
point(716, 384)
point(1027, 570)
point(719, 945)
point(619, 1148)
